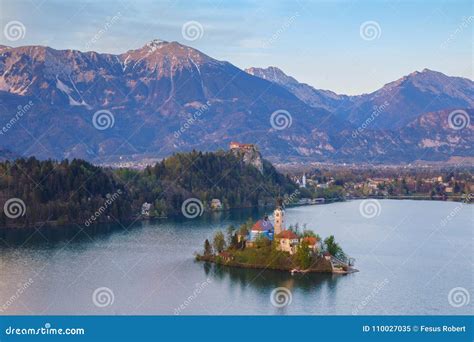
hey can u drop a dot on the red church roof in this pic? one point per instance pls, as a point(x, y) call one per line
point(310, 240)
point(287, 234)
point(262, 225)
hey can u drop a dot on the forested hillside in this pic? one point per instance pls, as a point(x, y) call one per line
point(79, 192)
point(204, 176)
point(59, 192)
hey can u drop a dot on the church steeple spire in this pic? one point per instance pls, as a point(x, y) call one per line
point(279, 215)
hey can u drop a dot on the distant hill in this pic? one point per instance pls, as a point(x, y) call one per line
point(58, 193)
point(166, 97)
point(74, 191)
point(222, 175)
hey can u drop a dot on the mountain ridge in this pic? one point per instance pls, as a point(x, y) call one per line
point(355, 107)
point(165, 87)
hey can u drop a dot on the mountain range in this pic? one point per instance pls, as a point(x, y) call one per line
point(167, 97)
point(405, 99)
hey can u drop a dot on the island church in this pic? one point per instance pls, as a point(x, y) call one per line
point(287, 240)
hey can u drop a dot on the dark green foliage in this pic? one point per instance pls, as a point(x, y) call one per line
point(207, 248)
point(333, 193)
point(61, 192)
point(219, 242)
point(303, 256)
point(308, 233)
point(205, 176)
point(262, 241)
point(277, 257)
point(234, 243)
point(72, 191)
point(230, 234)
point(333, 247)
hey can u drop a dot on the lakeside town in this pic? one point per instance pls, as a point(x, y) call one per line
point(325, 185)
point(448, 185)
point(333, 182)
point(239, 177)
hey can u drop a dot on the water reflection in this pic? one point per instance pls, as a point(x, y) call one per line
point(54, 236)
point(151, 262)
point(267, 280)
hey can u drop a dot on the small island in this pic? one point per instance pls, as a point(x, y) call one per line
point(263, 245)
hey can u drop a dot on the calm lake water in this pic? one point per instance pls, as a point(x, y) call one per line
point(410, 257)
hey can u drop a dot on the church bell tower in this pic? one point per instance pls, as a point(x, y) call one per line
point(279, 215)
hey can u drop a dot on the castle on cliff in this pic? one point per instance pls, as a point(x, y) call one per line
point(249, 154)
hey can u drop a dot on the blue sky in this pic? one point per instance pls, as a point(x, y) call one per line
point(317, 42)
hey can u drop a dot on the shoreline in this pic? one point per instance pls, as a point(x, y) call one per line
point(54, 224)
point(323, 266)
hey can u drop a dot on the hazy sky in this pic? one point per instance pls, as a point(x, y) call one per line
point(317, 42)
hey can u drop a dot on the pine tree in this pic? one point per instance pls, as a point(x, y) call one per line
point(219, 242)
point(303, 256)
point(207, 248)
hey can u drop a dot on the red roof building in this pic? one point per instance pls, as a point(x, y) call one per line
point(262, 226)
point(311, 240)
point(287, 241)
point(238, 146)
point(287, 234)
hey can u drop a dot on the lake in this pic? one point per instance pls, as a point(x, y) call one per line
point(411, 255)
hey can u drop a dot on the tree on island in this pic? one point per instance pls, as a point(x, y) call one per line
point(277, 257)
point(303, 255)
point(243, 232)
point(262, 241)
point(234, 242)
point(231, 237)
point(333, 247)
point(308, 233)
point(219, 242)
point(207, 248)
